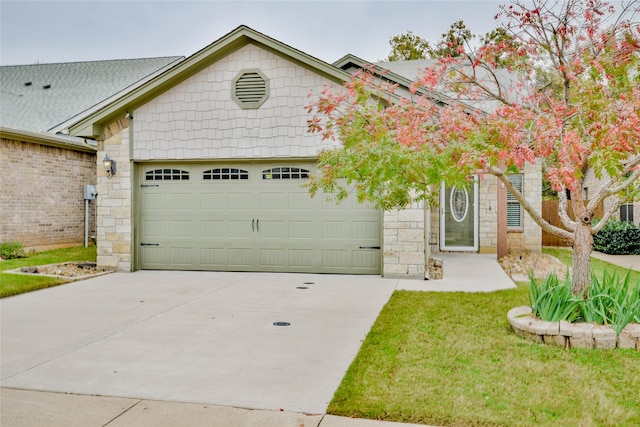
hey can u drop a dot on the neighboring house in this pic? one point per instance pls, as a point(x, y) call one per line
point(628, 212)
point(42, 171)
point(211, 160)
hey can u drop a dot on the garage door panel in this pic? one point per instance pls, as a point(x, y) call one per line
point(181, 228)
point(299, 229)
point(180, 202)
point(242, 201)
point(153, 228)
point(208, 221)
point(365, 230)
point(153, 201)
point(270, 229)
point(335, 230)
point(211, 229)
point(271, 257)
point(214, 258)
point(272, 201)
point(181, 256)
point(153, 257)
point(301, 258)
point(213, 202)
point(240, 258)
point(365, 260)
point(239, 229)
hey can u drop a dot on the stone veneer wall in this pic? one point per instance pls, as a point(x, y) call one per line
point(527, 240)
point(42, 194)
point(404, 242)
point(530, 238)
point(114, 228)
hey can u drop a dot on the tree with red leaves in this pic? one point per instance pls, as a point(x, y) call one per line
point(560, 87)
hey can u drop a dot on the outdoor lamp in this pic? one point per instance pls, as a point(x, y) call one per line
point(109, 166)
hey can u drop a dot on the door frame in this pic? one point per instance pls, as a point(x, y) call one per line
point(443, 245)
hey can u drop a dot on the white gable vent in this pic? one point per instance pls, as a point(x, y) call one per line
point(250, 88)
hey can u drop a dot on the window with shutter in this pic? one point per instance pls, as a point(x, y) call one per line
point(250, 88)
point(626, 213)
point(514, 210)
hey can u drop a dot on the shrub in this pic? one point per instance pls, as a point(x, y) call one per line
point(613, 301)
point(11, 250)
point(618, 238)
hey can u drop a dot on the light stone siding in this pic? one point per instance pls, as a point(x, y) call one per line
point(527, 240)
point(42, 194)
point(592, 185)
point(114, 236)
point(530, 239)
point(404, 242)
point(488, 214)
point(198, 118)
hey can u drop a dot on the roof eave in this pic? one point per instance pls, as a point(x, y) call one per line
point(46, 139)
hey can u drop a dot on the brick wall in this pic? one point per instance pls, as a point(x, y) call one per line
point(41, 194)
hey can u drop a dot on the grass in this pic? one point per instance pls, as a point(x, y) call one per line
point(597, 265)
point(451, 359)
point(13, 284)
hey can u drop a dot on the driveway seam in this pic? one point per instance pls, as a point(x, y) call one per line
point(122, 413)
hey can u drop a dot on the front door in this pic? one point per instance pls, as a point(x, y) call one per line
point(459, 217)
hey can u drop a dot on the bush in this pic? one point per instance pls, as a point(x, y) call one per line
point(618, 238)
point(11, 250)
point(613, 301)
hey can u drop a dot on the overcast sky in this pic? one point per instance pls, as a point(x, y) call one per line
point(34, 32)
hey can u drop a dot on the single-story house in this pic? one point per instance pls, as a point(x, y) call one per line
point(43, 172)
point(211, 158)
point(208, 156)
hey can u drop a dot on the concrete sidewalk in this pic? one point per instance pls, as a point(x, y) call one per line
point(170, 348)
point(625, 261)
point(22, 408)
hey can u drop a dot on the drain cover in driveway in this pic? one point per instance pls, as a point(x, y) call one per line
point(281, 324)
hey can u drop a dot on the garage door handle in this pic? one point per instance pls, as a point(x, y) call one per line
point(257, 225)
point(369, 247)
point(253, 223)
point(149, 244)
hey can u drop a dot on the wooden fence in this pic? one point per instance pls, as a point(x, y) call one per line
point(550, 213)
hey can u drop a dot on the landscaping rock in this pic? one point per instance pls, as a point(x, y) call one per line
point(625, 340)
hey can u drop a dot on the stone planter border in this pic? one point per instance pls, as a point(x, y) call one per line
point(572, 335)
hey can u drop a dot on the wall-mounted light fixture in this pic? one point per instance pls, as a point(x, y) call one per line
point(109, 166)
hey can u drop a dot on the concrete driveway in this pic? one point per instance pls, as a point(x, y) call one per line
point(192, 337)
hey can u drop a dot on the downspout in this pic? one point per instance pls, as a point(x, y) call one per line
point(133, 195)
point(427, 238)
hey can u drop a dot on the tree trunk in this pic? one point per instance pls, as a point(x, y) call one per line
point(582, 247)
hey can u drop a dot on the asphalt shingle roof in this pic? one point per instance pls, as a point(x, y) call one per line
point(73, 88)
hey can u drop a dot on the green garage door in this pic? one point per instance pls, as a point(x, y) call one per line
point(251, 217)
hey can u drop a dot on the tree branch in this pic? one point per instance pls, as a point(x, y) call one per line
point(537, 218)
point(562, 211)
point(608, 188)
point(607, 215)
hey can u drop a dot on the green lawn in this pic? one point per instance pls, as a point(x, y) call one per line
point(597, 265)
point(12, 284)
point(451, 359)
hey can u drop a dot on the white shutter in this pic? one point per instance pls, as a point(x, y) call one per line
point(514, 210)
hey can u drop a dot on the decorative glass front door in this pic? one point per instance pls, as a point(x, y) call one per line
point(459, 217)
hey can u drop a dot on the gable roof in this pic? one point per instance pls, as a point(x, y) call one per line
point(92, 126)
point(39, 97)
